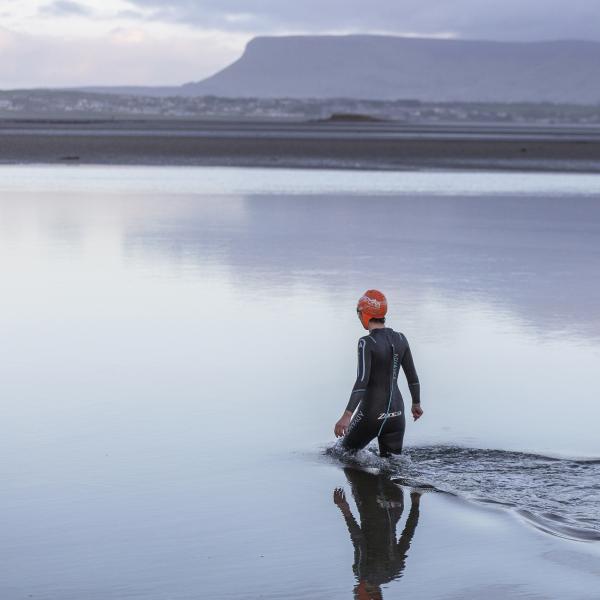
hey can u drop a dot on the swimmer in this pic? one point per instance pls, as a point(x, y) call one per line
point(376, 407)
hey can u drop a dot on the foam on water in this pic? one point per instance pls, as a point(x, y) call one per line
point(559, 496)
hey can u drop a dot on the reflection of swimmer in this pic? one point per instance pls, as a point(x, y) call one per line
point(379, 557)
point(376, 401)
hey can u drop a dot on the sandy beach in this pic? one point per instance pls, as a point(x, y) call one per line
point(378, 145)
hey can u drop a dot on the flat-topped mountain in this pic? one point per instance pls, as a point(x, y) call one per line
point(388, 67)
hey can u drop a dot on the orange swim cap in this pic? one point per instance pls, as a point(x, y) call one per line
point(371, 305)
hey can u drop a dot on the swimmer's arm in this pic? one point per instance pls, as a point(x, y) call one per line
point(363, 373)
point(408, 366)
point(339, 497)
point(411, 524)
point(414, 387)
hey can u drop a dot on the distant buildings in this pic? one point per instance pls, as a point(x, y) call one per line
point(54, 103)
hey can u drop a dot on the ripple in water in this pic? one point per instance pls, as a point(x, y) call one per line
point(557, 495)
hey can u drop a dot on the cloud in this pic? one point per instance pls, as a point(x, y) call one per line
point(124, 57)
point(523, 20)
point(65, 8)
point(149, 42)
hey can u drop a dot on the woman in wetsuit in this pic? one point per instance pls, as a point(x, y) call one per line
point(375, 400)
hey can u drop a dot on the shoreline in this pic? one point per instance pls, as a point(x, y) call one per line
point(350, 146)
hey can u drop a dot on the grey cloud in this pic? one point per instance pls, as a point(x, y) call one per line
point(65, 8)
point(484, 19)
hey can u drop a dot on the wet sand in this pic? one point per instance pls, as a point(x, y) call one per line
point(300, 144)
point(303, 530)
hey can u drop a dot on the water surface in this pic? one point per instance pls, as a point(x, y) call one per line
point(179, 342)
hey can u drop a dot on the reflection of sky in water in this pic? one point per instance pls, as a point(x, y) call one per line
point(498, 296)
point(150, 338)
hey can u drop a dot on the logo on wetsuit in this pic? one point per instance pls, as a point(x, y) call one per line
point(395, 367)
point(355, 421)
point(389, 415)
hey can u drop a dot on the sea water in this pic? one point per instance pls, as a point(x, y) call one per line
point(177, 344)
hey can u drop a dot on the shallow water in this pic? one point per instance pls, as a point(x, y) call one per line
point(179, 343)
point(557, 495)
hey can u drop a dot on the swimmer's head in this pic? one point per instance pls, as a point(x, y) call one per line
point(371, 305)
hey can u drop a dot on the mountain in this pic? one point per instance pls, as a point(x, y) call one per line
point(388, 68)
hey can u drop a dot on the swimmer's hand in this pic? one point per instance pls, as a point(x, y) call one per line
point(341, 427)
point(339, 498)
point(417, 411)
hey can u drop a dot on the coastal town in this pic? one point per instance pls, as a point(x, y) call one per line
point(83, 104)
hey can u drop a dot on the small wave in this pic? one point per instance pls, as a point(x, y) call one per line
point(559, 496)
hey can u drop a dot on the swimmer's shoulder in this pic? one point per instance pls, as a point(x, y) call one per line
point(365, 339)
point(400, 337)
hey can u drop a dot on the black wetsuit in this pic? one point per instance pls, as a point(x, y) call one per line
point(380, 406)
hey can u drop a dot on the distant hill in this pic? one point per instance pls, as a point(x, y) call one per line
point(387, 67)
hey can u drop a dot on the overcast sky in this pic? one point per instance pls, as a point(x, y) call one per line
point(152, 42)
